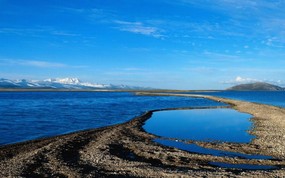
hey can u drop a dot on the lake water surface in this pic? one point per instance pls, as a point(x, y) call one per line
point(31, 115)
point(276, 98)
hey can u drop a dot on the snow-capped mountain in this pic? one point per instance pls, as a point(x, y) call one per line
point(72, 81)
point(59, 83)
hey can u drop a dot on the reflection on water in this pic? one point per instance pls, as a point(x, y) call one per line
point(225, 125)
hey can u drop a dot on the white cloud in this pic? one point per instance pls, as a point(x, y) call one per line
point(274, 42)
point(36, 63)
point(245, 80)
point(37, 32)
point(246, 18)
point(24, 31)
point(133, 69)
point(202, 70)
point(90, 13)
point(222, 56)
point(230, 5)
point(139, 28)
point(241, 80)
point(62, 33)
point(40, 64)
point(105, 16)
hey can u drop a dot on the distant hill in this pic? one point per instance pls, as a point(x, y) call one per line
point(60, 83)
point(258, 86)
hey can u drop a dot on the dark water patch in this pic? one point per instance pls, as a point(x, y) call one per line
point(243, 166)
point(193, 148)
point(222, 125)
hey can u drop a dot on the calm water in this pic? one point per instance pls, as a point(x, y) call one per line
point(30, 115)
point(276, 98)
point(225, 125)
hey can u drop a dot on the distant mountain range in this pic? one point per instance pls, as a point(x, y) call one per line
point(59, 83)
point(258, 86)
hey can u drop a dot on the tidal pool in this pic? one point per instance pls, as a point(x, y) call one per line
point(218, 125)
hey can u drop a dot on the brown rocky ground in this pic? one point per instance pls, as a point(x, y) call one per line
point(125, 150)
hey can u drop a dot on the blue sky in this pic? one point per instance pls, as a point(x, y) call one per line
point(175, 44)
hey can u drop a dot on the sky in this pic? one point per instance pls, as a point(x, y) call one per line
point(170, 44)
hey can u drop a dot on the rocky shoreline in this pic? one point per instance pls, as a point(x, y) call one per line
point(126, 150)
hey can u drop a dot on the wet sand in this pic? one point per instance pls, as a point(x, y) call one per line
point(126, 150)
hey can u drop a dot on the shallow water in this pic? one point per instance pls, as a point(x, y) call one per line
point(221, 125)
point(31, 115)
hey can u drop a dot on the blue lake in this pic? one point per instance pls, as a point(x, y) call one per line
point(222, 125)
point(31, 115)
point(276, 98)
